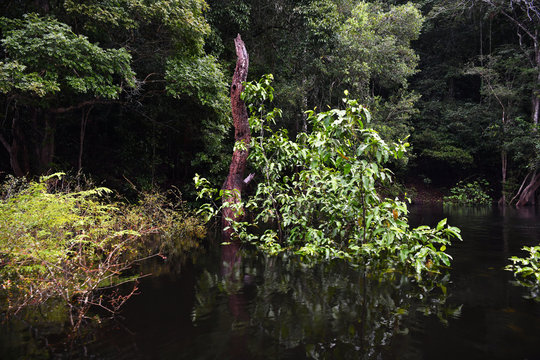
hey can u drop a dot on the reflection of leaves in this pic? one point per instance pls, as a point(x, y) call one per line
point(205, 296)
point(527, 271)
point(450, 312)
point(533, 288)
point(329, 309)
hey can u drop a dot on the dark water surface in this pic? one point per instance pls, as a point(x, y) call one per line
point(229, 306)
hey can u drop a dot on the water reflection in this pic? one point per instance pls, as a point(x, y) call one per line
point(232, 303)
point(324, 310)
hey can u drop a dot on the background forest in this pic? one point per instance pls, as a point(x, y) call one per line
point(138, 89)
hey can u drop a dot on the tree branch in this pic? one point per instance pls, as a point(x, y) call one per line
point(514, 20)
point(62, 110)
point(5, 143)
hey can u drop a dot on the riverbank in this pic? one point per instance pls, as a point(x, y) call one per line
point(421, 193)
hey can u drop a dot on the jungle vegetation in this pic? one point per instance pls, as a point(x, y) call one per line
point(135, 94)
point(139, 89)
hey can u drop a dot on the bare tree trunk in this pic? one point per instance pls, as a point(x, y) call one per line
point(527, 196)
point(31, 147)
point(242, 134)
point(304, 104)
point(520, 188)
point(536, 108)
point(18, 153)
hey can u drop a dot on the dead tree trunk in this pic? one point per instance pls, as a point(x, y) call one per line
point(242, 136)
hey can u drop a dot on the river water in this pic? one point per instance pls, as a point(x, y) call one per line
point(230, 304)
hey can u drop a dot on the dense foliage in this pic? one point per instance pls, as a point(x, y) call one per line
point(44, 56)
point(134, 92)
point(472, 193)
point(479, 84)
point(71, 245)
point(126, 82)
point(119, 81)
point(322, 191)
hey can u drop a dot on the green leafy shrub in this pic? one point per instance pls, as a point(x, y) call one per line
point(72, 245)
point(321, 191)
point(174, 229)
point(472, 193)
point(527, 270)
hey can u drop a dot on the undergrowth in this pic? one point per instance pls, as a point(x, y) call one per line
point(471, 193)
point(75, 244)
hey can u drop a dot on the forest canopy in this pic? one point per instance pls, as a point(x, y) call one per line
point(137, 89)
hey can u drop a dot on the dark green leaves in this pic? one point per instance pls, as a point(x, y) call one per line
point(45, 56)
point(201, 78)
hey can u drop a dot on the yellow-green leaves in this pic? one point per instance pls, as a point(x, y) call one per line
point(14, 77)
point(68, 244)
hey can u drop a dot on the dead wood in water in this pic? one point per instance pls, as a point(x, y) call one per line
point(242, 134)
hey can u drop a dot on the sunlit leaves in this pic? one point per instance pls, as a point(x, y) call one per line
point(67, 245)
point(14, 77)
point(472, 193)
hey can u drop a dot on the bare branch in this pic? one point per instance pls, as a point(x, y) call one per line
point(62, 110)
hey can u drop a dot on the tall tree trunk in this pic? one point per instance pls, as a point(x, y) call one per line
point(13, 148)
point(40, 138)
point(504, 165)
point(84, 122)
point(31, 147)
point(18, 152)
point(46, 146)
point(536, 92)
point(242, 133)
point(536, 108)
point(304, 104)
point(526, 197)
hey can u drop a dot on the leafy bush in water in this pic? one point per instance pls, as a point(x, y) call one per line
point(469, 193)
point(69, 245)
point(321, 191)
point(527, 270)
